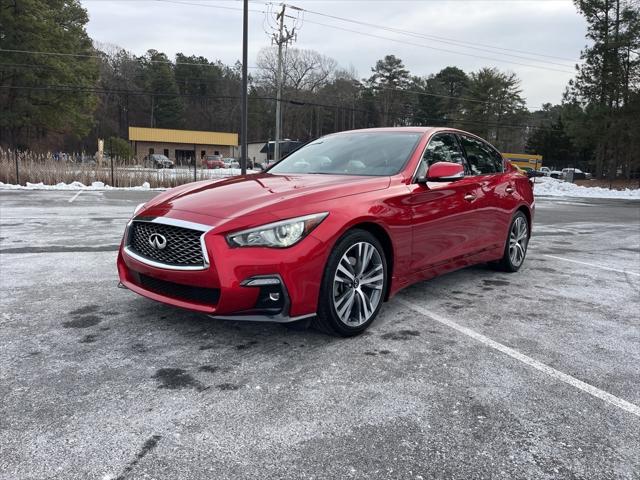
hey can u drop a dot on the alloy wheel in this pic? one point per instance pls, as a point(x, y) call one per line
point(518, 239)
point(358, 283)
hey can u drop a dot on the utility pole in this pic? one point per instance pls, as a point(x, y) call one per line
point(281, 37)
point(152, 108)
point(244, 114)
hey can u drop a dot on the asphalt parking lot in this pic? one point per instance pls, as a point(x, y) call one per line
point(476, 374)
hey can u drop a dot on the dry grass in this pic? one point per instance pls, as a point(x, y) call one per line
point(36, 168)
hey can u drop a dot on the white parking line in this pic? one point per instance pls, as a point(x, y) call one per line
point(552, 372)
point(602, 267)
point(75, 196)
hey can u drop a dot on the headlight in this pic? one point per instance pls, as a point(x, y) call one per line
point(137, 209)
point(279, 234)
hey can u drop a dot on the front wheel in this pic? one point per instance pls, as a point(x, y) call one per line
point(515, 249)
point(353, 285)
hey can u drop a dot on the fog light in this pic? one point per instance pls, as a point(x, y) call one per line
point(274, 296)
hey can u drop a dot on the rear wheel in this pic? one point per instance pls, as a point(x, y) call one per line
point(515, 249)
point(353, 286)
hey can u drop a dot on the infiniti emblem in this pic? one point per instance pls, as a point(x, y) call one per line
point(157, 241)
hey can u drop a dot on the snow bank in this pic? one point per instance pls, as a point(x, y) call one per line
point(73, 186)
point(547, 186)
point(544, 186)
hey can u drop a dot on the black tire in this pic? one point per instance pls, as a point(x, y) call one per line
point(327, 319)
point(507, 263)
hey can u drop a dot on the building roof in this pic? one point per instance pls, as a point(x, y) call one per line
point(286, 146)
point(522, 156)
point(191, 137)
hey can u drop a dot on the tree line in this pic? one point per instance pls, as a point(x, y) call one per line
point(61, 91)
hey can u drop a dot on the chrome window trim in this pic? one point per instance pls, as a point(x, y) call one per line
point(174, 223)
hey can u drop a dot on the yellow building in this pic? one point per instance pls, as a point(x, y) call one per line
point(182, 146)
point(524, 160)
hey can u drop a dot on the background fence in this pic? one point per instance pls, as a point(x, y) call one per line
point(23, 167)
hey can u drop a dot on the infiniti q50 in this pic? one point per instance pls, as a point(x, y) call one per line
point(333, 230)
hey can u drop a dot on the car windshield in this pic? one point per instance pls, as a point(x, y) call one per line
point(358, 153)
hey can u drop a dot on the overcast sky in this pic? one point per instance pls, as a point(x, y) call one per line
point(213, 28)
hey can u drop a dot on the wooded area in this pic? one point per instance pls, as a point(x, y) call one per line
point(60, 91)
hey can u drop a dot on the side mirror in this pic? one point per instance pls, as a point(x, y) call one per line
point(443, 172)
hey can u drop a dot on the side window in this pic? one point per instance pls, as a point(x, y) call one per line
point(442, 148)
point(482, 159)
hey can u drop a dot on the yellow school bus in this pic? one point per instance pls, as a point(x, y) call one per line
point(524, 160)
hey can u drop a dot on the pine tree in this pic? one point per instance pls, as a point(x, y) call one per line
point(606, 83)
point(42, 94)
point(167, 107)
point(494, 104)
point(389, 79)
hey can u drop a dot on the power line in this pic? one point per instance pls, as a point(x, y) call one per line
point(200, 81)
point(540, 67)
point(103, 57)
point(450, 41)
point(290, 101)
point(470, 45)
point(197, 81)
point(137, 76)
point(413, 34)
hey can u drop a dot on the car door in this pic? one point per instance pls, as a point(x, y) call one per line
point(496, 187)
point(443, 213)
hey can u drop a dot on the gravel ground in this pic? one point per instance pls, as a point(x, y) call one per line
point(476, 374)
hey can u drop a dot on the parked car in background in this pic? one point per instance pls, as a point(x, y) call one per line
point(213, 161)
point(546, 171)
point(531, 172)
point(556, 174)
point(577, 174)
point(157, 160)
point(231, 163)
point(333, 230)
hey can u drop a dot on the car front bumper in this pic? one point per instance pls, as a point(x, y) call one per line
point(253, 284)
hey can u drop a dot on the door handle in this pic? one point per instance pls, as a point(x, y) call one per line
point(509, 189)
point(470, 197)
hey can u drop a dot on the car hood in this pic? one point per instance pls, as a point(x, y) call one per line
point(243, 195)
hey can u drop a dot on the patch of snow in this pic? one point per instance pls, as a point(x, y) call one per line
point(547, 186)
point(74, 186)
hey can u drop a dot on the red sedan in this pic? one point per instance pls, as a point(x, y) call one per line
point(213, 161)
point(333, 230)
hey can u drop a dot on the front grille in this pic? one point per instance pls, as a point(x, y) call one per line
point(182, 248)
point(207, 296)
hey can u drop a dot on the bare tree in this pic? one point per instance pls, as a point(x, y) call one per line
point(304, 70)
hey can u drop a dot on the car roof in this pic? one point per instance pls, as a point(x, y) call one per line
point(423, 130)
